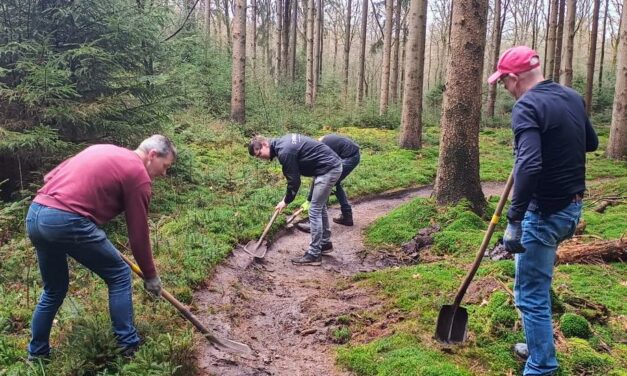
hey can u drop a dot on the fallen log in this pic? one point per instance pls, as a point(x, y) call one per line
point(600, 251)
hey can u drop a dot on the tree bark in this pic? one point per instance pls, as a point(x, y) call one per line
point(411, 119)
point(592, 54)
point(238, 75)
point(316, 48)
point(550, 46)
point(227, 22)
point(285, 38)
point(558, 43)
point(207, 17)
point(387, 47)
point(362, 53)
point(293, 38)
point(253, 35)
point(347, 50)
point(617, 144)
point(607, 3)
point(279, 35)
point(309, 94)
point(571, 13)
point(458, 165)
point(395, 54)
point(496, 49)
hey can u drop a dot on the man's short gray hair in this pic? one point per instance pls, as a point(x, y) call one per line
point(161, 144)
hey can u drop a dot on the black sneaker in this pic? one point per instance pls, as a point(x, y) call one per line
point(307, 259)
point(344, 219)
point(327, 248)
point(129, 351)
point(521, 350)
point(38, 358)
point(304, 226)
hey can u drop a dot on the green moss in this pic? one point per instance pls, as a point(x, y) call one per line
point(573, 325)
point(583, 360)
point(341, 334)
point(401, 224)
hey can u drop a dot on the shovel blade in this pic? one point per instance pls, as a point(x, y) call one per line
point(452, 324)
point(256, 251)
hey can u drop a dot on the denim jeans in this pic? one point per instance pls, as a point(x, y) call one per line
point(534, 273)
point(57, 234)
point(318, 217)
point(348, 164)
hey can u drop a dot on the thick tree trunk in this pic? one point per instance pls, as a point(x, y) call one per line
point(574, 251)
point(458, 165)
point(395, 62)
point(309, 94)
point(411, 120)
point(238, 76)
point(362, 53)
point(387, 49)
point(607, 3)
point(285, 38)
point(279, 36)
point(592, 54)
point(617, 144)
point(347, 50)
point(571, 13)
point(558, 42)
point(552, 35)
point(496, 50)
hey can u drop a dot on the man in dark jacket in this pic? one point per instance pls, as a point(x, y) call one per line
point(301, 155)
point(552, 134)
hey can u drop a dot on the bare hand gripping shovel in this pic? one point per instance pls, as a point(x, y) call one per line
point(452, 326)
point(222, 343)
point(252, 248)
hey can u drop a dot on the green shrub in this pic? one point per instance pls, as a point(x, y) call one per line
point(574, 325)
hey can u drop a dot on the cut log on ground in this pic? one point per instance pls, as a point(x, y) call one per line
point(576, 251)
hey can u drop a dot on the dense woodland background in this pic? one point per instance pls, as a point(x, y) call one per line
point(404, 78)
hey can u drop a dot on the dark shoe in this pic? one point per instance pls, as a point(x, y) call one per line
point(521, 350)
point(129, 351)
point(307, 259)
point(38, 358)
point(327, 248)
point(304, 226)
point(344, 219)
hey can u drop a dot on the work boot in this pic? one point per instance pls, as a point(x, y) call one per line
point(307, 259)
point(327, 248)
point(521, 350)
point(345, 219)
point(304, 226)
point(38, 358)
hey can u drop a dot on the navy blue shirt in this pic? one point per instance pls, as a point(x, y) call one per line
point(344, 147)
point(301, 155)
point(552, 134)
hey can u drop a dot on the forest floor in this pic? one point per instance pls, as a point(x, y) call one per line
point(291, 316)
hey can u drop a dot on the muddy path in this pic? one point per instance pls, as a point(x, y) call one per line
point(287, 313)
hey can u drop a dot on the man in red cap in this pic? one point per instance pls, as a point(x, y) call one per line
point(552, 134)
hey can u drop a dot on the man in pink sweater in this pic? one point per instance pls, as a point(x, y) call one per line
point(78, 196)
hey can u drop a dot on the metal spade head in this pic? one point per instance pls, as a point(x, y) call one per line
point(255, 249)
point(452, 326)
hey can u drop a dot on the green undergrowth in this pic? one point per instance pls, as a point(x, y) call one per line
point(588, 300)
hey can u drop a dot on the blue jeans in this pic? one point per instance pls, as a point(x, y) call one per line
point(57, 234)
point(318, 217)
point(348, 165)
point(534, 273)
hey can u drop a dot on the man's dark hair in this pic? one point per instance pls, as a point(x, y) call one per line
point(255, 144)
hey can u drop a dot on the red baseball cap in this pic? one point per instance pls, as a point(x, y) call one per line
point(516, 60)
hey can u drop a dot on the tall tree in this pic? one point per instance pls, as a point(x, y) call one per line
point(309, 94)
point(279, 36)
point(496, 51)
point(285, 38)
point(551, 37)
point(227, 21)
point(571, 13)
point(347, 49)
point(603, 30)
point(411, 120)
point(558, 42)
point(293, 37)
point(387, 47)
point(238, 75)
point(207, 17)
point(458, 165)
point(592, 54)
point(361, 76)
point(317, 38)
point(617, 145)
point(394, 69)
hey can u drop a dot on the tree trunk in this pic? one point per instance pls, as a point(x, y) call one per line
point(253, 35)
point(571, 13)
point(294, 32)
point(458, 165)
point(550, 46)
point(558, 44)
point(402, 62)
point(347, 50)
point(238, 80)
point(316, 48)
point(279, 35)
point(227, 22)
point(592, 54)
point(320, 28)
point(362, 53)
point(607, 3)
point(309, 95)
point(496, 49)
point(285, 38)
point(207, 17)
point(411, 120)
point(617, 144)
point(387, 49)
point(395, 63)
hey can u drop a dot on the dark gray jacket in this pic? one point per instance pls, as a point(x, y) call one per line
point(301, 155)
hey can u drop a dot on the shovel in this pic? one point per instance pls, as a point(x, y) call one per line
point(222, 343)
point(252, 247)
point(452, 325)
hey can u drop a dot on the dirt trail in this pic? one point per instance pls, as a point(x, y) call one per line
point(284, 312)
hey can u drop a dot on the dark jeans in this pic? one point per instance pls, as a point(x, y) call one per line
point(318, 217)
point(348, 165)
point(57, 234)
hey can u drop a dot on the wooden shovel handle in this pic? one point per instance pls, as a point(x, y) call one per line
point(486, 240)
point(265, 230)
